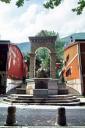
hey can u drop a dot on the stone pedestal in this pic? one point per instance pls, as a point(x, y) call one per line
point(45, 87)
point(41, 87)
point(41, 83)
point(40, 93)
point(52, 87)
point(30, 86)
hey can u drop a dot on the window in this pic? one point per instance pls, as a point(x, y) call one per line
point(67, 58)
point(68, 72)
point(65, 63)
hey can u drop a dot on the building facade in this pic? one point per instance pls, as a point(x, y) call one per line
point(12, 65)
point(74, 69)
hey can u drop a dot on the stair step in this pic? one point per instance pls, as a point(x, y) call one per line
point(50, 100)
point(47, 103)
point(20, 95)
point(64, 104)
point(42, 100)
point(62, 96)
point(49, 96)
point(74, 98)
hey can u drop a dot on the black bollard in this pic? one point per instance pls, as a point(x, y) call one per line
point(11, 117)
point(61, 117)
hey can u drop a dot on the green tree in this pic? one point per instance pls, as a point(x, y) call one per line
point(38, 62)
point(46, 33)
point(27, 59)
point(52, 4)
point(19, 3)
point(60, 55)
point(59, 50)
point(43, 55)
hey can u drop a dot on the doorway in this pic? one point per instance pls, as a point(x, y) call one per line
point(3, 66)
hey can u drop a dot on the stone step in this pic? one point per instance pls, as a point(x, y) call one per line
point(51, 99)
point(62, 96)
point(32, 98)
point(62, 91)
point(49, 96)
point(21, 97)
point(43, 100)
point(21, 90)
point(46, 103)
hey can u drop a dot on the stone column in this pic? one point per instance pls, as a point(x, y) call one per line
point(53, 65)
point(32, 65)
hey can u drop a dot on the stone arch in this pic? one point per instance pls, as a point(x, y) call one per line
point(48, 42)
point(43, 47)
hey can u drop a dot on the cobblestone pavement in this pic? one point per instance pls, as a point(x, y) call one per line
point(44, 115)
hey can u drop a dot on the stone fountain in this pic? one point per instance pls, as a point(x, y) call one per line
point(44, 86)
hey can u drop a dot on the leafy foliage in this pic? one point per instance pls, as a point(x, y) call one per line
point(20, 3)
point(52, 4)
point(43, 59)
point(46, 33)
point(38, 62)
point(27, 59)
point(59, 50)
point(60, 55)
point(80, 7)
point(43, 55)
point(6, 1)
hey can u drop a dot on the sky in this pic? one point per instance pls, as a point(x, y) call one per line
point(17, 24)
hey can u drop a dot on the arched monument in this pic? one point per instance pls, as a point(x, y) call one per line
point(48, 42)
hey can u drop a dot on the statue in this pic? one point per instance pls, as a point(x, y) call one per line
point(41, 73)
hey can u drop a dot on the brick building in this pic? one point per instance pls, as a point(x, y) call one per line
point(74, 69)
